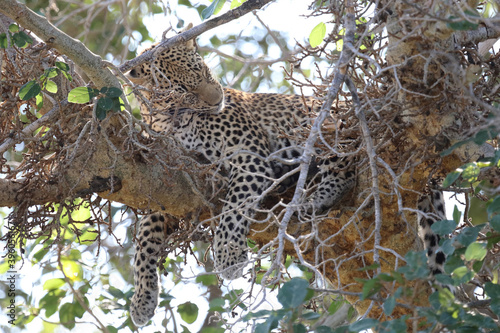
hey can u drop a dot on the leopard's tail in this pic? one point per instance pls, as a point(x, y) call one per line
point(431, 208)
point(147, 287)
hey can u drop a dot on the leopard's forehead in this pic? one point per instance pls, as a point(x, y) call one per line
point(177, 54)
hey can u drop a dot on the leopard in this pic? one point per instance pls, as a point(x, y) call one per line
point(431, 209)
point(254, 137)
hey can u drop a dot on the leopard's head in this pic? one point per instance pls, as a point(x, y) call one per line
point(181, 72)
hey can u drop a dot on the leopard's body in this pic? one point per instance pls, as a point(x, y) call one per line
point(250, 134)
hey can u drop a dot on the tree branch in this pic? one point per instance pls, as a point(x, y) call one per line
point(491, 30)
point(90, 63)
point(119, 177)
point(195, 31)
point(45, 119)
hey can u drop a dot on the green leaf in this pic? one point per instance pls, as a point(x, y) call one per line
point(493, 291)
point(385, 277)
point(236, 3)
point(444, 227)
point(188, 312)
point(370, 288)
point(451, 178)
point(495, 223)
point(214, 8)
point(461, 275)
point(105, 103)
point(39, 101)
point(29, 90)
point(53, 284)
point(207, 280)
point(51, 72)
point(389, 305)
point(483, 135)
point(13, 28)
point(453, 147)
point(299, 328)
point(270, 324)
point(51, 86)
point(82, 95)
point(258, 314)
point(89, 235)
point(453, 262)
point(118, 104)
point(112, 329)
point(26, 38)
point(434, 300)
point(326, 329)
point(335, 306)
point(113, 92)
point(456, 215)
point(475, 251)
point(117, 293)
point(494, 207)
point(210, 329)
point(4, 43)
point(393, 326)
point(476, 266)
point(62, 66)
point(50, 302)
point(463, 24)
point(363, 324)
point(317, 34)
point(67, 76)
point(217, 305)
point(21, 39)
point(67, 315)
point(468, 235)
point(416, 266)
point(311, 316)
point(293, 293)
point(78, 309)
point(444, 279)
point(40, 254)
point(100, 113)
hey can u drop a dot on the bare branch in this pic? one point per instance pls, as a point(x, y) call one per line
point(45, 119)
point(195, 31)
point(491, 30)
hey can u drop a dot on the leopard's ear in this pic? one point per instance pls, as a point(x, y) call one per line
point(187, 27)
point(191, 44)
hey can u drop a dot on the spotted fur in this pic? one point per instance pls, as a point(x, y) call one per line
point(250, 134)
point(146, 280)
point(431, 208)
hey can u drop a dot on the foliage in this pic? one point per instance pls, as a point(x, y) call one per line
point(84, 247)
point(16, 36)
point(108, 99)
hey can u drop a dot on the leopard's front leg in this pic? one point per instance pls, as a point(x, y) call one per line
point(248, 180)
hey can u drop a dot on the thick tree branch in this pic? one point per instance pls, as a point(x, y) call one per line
point(119, 177)
point(90, 63)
